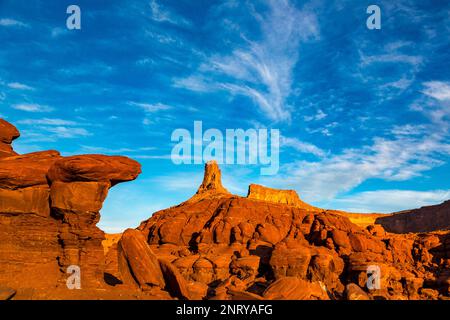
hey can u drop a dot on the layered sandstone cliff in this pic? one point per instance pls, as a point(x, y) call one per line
point(425, 219)
point(49, 208)
point(288, 197)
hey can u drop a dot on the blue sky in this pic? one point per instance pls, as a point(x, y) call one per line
point(364, 114)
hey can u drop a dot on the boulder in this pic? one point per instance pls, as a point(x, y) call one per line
point(291, 288)
point(96, 168)
point(175, 283)
point(136, 258)
point(8, 133)
point(6, 293)
point(354, 292)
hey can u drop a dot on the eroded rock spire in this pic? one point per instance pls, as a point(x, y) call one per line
point(212, 180)
point(211, 186)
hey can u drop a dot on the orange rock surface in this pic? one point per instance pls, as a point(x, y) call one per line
point(8, 133)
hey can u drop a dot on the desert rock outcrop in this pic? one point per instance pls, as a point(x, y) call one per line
point(8, 133)
point(49, 208)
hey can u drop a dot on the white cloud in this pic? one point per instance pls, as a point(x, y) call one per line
point(94, 149)
point(301, 146)
point(58, 31)
point(393, 160)
point(387, 201)
point(261, 70)
point(318, 116)
point(437, 90)
point(66, 132)
point(19, 86)
point(435, 105)
point(96, 68)
point(6, 22)
point(409, 130)
point(161, 14)
point(32, 107)
point(48, 122)
point(151, 108)
point(195, 83)
point(392, 58)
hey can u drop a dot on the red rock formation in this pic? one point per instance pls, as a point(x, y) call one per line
point(425, 219)
point(289, 197)
point(8, 133)
point(216, 245)
point(49, 208)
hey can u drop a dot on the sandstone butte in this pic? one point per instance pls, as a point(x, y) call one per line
point(216, 245)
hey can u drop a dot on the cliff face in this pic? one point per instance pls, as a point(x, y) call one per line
point(425, 219)
point(288, 197)
point(49, 208)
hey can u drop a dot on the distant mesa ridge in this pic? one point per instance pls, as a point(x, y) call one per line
point(425, 219)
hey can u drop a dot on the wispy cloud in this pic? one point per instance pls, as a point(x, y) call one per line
point(19, 86)
point(261, 70)
point(48, 122)
point(96, 68)
point(302, 146)
point(94, 149)
point(435, 105)
point(318, 116)
point(32, 107)
point(151, 108)
point(387, 201)
point(160, 13)
point(6, 22)
point(438, 90)
point(58, 31)
point(399, 159)
point(66, 132)
point(392, 58)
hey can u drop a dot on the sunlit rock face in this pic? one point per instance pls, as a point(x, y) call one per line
point(49, 208)
point(272, 245)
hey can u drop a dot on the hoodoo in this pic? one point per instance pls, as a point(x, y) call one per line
point(212, 183)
